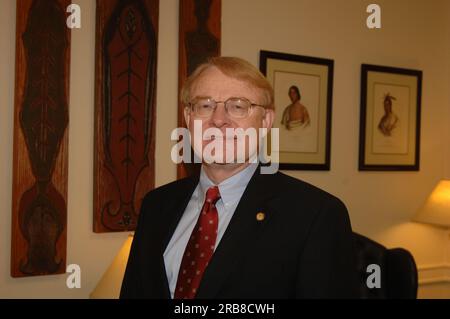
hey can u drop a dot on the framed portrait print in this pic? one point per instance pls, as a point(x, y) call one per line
point(303, 88)
point(390, 119)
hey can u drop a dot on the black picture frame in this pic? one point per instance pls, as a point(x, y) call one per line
point(394, 144)
point(314, 147)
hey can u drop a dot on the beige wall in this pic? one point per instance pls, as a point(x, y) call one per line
point(415, 34)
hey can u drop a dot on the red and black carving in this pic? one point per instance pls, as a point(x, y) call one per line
point(201, 44)
point(200, 37)
point(43, 121)
point(129, 67)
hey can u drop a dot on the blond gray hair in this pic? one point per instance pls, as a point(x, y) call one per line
point(235, 68)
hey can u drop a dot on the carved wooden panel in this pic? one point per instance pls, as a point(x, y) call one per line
point(199, 39)
point(125, 106)
point(39, 216)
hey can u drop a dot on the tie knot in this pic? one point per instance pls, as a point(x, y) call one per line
point(212, 194)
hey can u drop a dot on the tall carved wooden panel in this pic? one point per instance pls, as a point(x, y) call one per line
point(199, 39)
point(39, 216)
point(125, 106)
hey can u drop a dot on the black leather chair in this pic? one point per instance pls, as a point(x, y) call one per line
point(397, 268)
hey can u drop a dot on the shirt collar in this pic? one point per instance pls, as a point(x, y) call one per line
point(230, 189)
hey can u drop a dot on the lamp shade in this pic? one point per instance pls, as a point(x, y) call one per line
point(436, 210)
point(111, 282)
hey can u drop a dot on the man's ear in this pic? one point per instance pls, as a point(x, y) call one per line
point(268, 118)
point(187, 115)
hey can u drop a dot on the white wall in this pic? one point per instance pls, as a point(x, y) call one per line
point(415, 34)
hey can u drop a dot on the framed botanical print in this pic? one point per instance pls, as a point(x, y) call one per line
point(303, 88)
point(390, 119)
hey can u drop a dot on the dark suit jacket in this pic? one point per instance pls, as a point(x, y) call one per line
point(302, 249)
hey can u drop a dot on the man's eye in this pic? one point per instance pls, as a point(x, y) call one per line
point(238, 106)
point(204, 105)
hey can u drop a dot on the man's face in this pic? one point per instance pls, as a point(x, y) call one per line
point(387, 105)
point(293, 95)
point(214, 84)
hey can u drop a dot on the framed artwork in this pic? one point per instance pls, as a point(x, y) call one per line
point(303, 88)
point(41, 118)
point(125, 94)
point(199, 39)
point(390, 119)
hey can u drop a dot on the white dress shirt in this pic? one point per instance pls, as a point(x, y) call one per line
point(230, 190)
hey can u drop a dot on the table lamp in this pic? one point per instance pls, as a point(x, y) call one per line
point(436, 210)
point(111, 282)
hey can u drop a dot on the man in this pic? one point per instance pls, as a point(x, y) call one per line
point(389, 120)
point(295, 114)
point(233, 232)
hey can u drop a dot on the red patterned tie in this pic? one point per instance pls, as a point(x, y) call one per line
point(200, 248)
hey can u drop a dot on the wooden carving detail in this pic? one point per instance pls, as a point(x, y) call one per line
point(200, 33)
point(42, 115)
point(127, 113)
point(201, 43)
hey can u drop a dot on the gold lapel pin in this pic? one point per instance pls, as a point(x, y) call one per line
point(260, 216)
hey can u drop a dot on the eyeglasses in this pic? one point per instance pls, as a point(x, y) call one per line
point(236, 107)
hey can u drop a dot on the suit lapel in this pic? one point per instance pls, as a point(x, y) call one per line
point(170, 216)
point(174, 211)
point(240, 234)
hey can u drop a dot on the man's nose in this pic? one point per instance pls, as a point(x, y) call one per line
point(220, 117)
